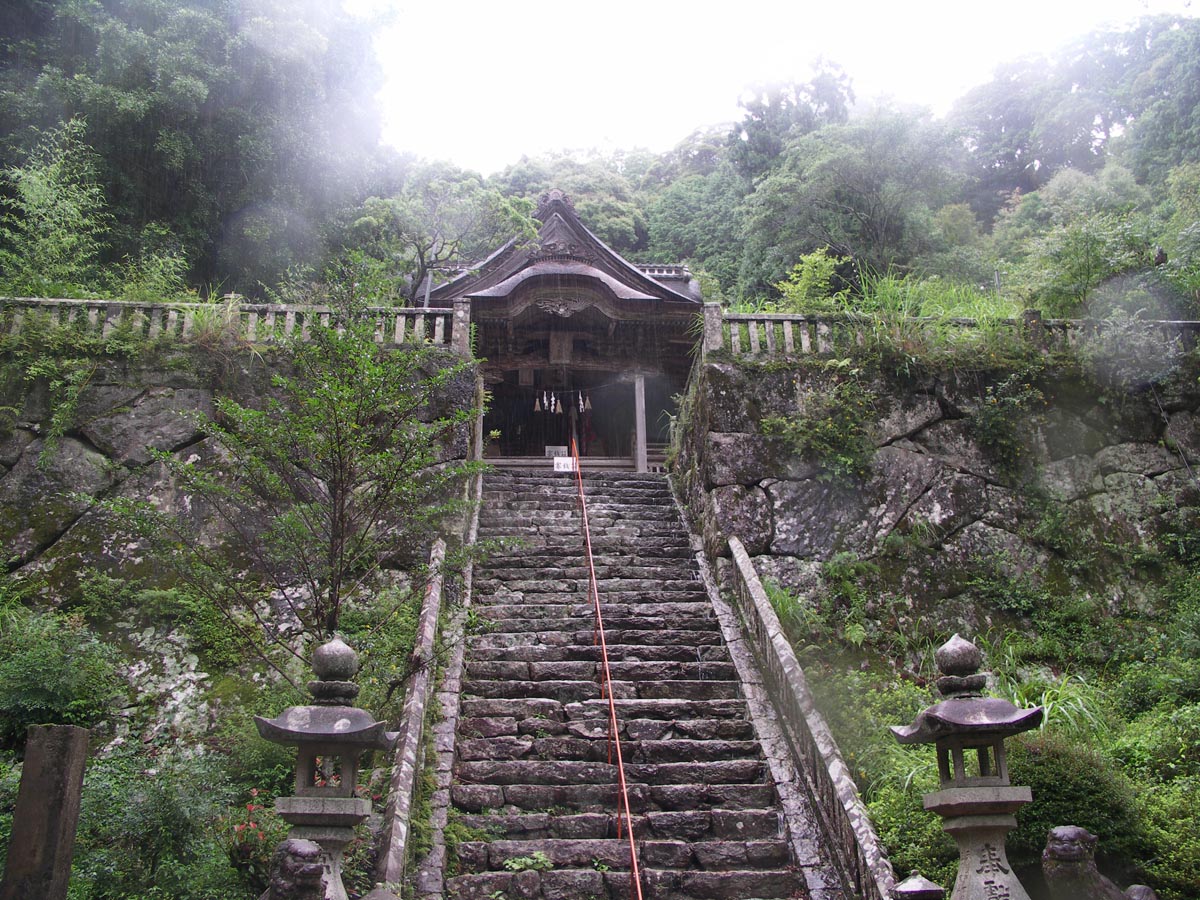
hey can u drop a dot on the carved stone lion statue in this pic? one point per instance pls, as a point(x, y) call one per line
point(1069, 865)
point(296, 872)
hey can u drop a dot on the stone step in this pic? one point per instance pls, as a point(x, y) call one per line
point(677, 637)
point(536, 568)
point(617, 628)
point(586, 884)
point(669, 710)
point(601, 797)
point(500, 613)
point(502, 594)
point(597, 728)
point(709, 824)
point(594, 748)
point(520, 651)
point(575, 772)
point(613, 853)
point(588, 671)
point(579, 691)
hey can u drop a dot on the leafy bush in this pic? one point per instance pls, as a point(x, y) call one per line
point(1171, 813)
point(149, 829)
point(53, 670)
point(1073, 785)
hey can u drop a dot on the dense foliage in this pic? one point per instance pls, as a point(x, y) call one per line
point(233, 145)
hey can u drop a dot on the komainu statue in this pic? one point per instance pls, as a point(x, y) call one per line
point(1069, 864)
point(297, 872)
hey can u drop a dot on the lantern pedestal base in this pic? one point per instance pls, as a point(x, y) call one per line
point(979, 818)
point(332, 841)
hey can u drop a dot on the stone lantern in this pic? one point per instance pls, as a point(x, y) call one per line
point(329, 738)
point(976, 800)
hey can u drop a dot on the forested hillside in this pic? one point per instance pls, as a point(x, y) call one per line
point(161, 146)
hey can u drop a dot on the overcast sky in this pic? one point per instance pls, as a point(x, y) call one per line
point(483, 83)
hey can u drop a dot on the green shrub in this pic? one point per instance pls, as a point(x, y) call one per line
point(53, 670)
point(149, 829)
point(1162, 744)
point(1073, 784)
point(1171, 813)
point(914, 837)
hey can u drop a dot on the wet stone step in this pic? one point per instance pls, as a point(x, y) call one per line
point(503, 595)
point(619, 628)
point(657, 884)
point(500, 612)
point(671, 710)
point(594, 748)
point(695, 825)
point(612, 853)
point(601, 796)
point(588, 671)
point(572, 691)
point(689, 638)
point(591, 653)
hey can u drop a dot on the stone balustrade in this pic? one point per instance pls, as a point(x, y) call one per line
point(778, 335)
point(815, 751)
point(255, 323)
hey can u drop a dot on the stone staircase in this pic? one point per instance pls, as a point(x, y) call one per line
point(534, 798)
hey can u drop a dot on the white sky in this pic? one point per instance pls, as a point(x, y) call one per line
point(483, 82)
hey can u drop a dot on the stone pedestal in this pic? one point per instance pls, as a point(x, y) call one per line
point(979, 819)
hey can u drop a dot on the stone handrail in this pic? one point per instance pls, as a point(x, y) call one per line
point(251, 322)
point(772, 335)
point(393, 840)
point(812, 744)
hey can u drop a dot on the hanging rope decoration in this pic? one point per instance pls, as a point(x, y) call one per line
point(557, 401)
point(551, 402)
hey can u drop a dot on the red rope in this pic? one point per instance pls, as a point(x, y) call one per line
point(614, 738)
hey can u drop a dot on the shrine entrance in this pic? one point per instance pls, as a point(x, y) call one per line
point(533, 413)
point(576, 341)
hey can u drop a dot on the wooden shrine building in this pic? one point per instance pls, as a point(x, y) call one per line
point(578, 342)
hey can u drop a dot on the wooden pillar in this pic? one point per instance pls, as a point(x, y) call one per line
point(639, 418)
point(47, 811)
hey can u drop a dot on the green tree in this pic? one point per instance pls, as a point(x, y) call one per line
point(347, 466)
point(864, 190)
point(776, 114)
point(698, 219)
point(240, 127)
point(54, 220)
point(441, 218)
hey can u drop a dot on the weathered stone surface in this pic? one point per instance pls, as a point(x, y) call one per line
point(800, 576)
point(160, 419)
point(744, 512)
point(813, 517)
point(1071, 478)
point(951, 502)
point(728, 404)
point(905, 415)
point(1183, 431)
point(951, 442)
point(736, 458)
point(1007, 552)
point(39, 503)
point(898, 478)
point(12, 446)
point(1140, 459)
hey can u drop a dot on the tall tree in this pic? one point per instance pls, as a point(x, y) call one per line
point(237, 124)
point(776, 113)
point(865, 190)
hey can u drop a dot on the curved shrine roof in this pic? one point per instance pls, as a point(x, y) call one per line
point(565, 248)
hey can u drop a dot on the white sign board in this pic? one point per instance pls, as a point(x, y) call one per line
point(552, 450)
point(564, 464)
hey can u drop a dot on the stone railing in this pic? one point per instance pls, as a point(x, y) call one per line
point(817, 756)
point(256, 323)
point(774, 335)
point(393, 840)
